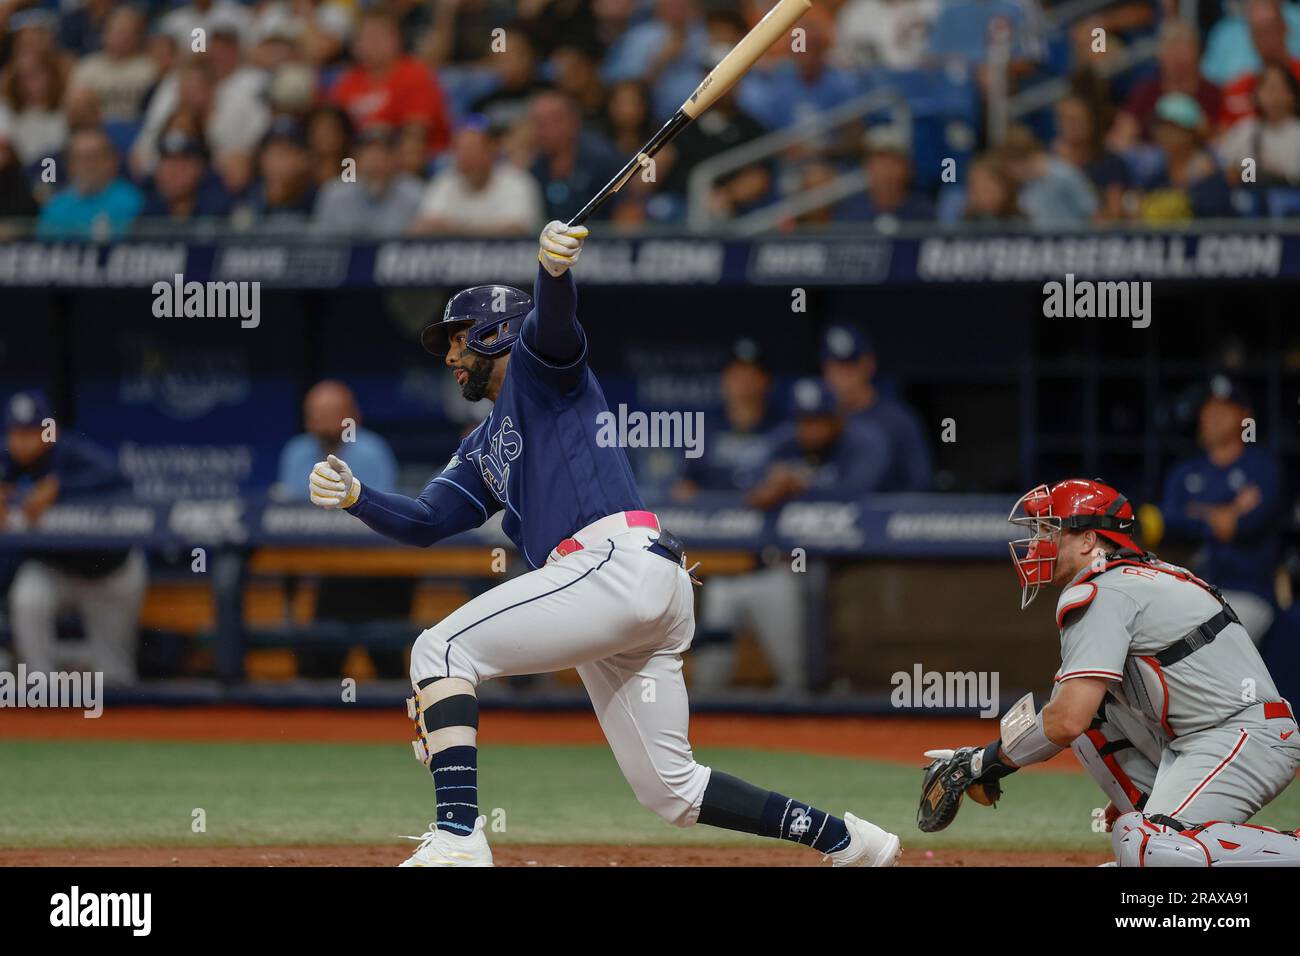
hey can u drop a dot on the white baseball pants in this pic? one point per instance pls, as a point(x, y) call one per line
point(622, 616)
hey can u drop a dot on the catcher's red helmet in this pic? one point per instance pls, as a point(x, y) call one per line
point(1076, 504)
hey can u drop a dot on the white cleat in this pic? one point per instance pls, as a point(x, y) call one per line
point(443, 848)
point(868, 845)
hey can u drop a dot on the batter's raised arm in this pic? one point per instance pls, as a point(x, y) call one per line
point(442, 510)
point(552, 330)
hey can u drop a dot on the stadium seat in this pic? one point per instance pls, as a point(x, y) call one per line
point(466, 84)
point(122, 133)
point(945, 118)
point(952, 200)
point(1283, 203)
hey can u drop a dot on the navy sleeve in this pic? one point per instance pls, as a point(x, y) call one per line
point(441, 511)
point(554, 345)
point(864, 455)
point(83, 468)
point(1178, 523)
point(781, 447)
point(915, 452)
point(1262, 520)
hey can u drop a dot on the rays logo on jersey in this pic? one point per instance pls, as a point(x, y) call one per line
point(504, 446)
point(801, 822)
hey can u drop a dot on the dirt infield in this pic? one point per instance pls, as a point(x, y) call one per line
point(897, 739)
point(542, 856)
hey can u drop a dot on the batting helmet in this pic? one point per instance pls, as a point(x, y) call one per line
point(1076, 504)
point(486, 309)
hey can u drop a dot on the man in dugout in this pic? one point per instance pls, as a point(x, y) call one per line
point(105, 587)
point(1227, 500)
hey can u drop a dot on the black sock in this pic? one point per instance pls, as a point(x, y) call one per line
point(455, 769)
point(733, 804)
point(455, 785)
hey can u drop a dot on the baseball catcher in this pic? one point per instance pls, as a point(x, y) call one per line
point(1161, 695)
point(608, 592)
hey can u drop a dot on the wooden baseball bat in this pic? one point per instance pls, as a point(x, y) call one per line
point(721, 78)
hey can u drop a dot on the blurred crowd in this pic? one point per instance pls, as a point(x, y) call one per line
point(489, 117)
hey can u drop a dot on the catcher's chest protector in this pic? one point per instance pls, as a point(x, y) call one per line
point(1129, 621)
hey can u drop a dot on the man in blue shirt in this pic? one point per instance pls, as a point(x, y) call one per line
point(98, 204)
point(849, 366)
point(572, 162)
point(889, 198)
point(669, 53)
point(1228, 500)
point(609, 593)
point(821, 453)
point(768, 600)
point(332, 426)
point(800, 86)
point(738, 442)
point(38, 468)
point(184, 187)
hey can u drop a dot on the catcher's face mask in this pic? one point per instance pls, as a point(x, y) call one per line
point(1035, 556)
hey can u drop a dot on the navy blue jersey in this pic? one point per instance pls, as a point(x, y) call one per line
point(909, 456)
point(82, 468)
point(536, 456)
point(1247, 562)
point(736, 456)
point(855, 465)
point(85, 472)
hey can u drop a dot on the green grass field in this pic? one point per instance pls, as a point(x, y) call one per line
point(124, 794)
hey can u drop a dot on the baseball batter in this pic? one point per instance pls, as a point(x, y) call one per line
point(1161, 694)
point(609, 592)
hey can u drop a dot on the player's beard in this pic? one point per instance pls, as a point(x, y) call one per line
point(477, 378)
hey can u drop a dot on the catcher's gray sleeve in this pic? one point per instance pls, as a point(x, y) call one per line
point(1097, 634)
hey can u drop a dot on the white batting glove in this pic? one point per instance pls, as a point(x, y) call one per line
point(332, 484)
point(561, 245)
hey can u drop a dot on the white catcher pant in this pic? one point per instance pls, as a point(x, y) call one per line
point(622, 616)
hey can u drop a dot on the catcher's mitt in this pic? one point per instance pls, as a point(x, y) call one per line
point(949, 778)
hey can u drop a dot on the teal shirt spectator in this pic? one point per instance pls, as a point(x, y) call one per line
point(369, 457)
point(106, 214)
